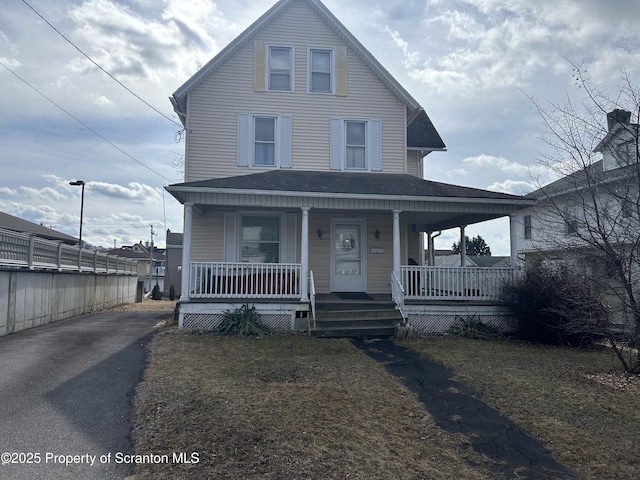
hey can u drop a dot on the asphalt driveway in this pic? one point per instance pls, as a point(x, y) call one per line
point(66, 392)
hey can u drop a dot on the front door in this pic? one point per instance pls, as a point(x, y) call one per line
point(348, 256)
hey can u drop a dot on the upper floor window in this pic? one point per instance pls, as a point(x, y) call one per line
point(321, 70)
point(264, 140)
point(280, 68)
point(355, 145)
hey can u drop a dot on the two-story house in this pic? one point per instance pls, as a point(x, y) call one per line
point(589, 221)
point(304, 167)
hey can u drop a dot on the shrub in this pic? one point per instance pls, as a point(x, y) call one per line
point(556, 307)
point(155, 293)
point(243, 321)
point(172, 293)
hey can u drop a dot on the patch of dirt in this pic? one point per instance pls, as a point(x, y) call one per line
point(618, 381)
point(146, 305)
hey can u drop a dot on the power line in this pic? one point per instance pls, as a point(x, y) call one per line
point(82, 123)
point(97, 65)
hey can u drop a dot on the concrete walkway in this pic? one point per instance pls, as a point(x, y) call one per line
point(456, 408)
point(66, 392)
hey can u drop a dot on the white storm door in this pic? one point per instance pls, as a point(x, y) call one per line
point(348, 256)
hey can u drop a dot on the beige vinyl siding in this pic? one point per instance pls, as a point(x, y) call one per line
point(414, 164)
point(213, 106)
point(207, 237)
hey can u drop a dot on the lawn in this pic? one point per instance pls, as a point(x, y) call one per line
point(299, 407)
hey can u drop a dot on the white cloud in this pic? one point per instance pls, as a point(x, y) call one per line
point(514, 187)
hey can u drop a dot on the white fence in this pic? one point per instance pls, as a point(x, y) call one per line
point(455, 283)
point(20, 250)
point(244, 280)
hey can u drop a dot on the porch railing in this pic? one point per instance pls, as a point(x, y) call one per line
point(397, 293)
point(244, 280)
point(455, 283)
point(312, 297)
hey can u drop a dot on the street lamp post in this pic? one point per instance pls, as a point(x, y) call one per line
point(82, 184)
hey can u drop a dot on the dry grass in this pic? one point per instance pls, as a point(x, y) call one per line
point(578, 403)
point(147, 305)
point(286, 407)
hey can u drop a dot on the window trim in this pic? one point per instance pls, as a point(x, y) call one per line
point(291, 49)
point(332, 70)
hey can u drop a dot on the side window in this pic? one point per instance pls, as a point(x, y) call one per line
point(321, 76)
point(280, 69)
point(527, 227)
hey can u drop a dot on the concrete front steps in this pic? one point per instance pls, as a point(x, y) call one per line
point(356, 320)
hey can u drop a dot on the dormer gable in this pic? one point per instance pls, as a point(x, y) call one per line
point(423, 133)
point(620, 146)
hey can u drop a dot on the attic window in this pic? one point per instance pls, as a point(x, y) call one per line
point(280, 71)
point(320, 70)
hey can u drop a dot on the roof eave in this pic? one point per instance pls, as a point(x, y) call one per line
point(359, 196)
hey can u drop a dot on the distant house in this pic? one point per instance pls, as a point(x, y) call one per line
point(151, 267)
point(304, 165)
point(582, 216)
point(16, 224)
point(173, 263)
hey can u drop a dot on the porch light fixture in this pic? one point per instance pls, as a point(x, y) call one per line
point(377, 234)
point(319, 234)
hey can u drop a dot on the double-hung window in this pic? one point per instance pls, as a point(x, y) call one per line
point(321, 66)
point(264, 141)
point(280, 69)
point(355, 145)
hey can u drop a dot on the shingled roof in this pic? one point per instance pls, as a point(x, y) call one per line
point(16, 224)
point(342, 183)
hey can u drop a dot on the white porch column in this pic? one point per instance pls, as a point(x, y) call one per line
point(513, 236)
point(463, 247)
point(396, 242)
point(304, 256)
point(186, 251)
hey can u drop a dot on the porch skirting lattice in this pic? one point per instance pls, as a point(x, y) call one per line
point(205, 317)
point(437, 321)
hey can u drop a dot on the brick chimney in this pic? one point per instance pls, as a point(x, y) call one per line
point(618, 116)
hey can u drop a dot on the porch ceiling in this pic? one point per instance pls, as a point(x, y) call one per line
point(428, 205)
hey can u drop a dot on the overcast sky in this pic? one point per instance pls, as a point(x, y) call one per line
point(470, 63)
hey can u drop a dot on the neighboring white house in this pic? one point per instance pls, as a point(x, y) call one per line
point(586, 219)
point(304, 161)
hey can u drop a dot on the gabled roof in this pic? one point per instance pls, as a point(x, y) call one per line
point(179, 98)
point(586, 177)
point(344, 184)
point(16, 224)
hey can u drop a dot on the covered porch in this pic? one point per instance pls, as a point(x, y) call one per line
point(339, 232)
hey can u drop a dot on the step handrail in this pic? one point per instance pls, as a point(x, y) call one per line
point(312, 297)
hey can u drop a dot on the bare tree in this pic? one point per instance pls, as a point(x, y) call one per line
point(590, 219)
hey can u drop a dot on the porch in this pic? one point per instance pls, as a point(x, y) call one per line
point(431, 298)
